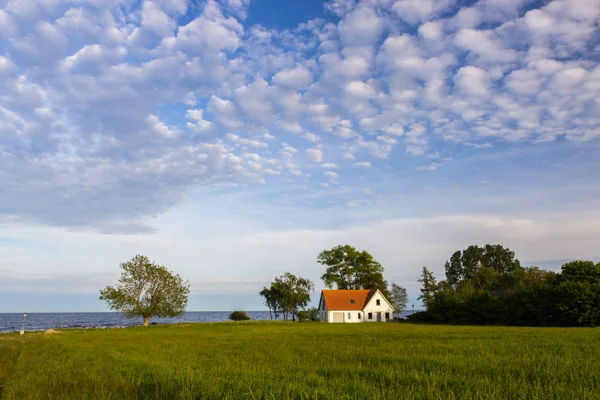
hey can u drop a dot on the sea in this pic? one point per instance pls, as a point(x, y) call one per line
point(12, 322)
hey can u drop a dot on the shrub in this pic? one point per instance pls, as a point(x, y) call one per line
point(239, 316)
point(421, 316)
point(310, 314)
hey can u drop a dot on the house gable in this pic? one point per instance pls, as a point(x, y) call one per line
point(373, 297)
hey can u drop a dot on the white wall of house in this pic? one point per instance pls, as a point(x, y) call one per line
point(374, 309)
point(346, 316)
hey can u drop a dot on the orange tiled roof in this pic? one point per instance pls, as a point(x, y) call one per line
point(341, 299)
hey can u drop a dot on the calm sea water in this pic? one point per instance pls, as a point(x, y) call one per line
point(42, 321)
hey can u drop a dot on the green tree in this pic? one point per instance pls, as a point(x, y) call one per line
point(291, 293)
point(271, 300)
point(398, 297)
point(348, 268)
point(500, 261)
point(147, 290)
point(579, 294)
point(429, 286)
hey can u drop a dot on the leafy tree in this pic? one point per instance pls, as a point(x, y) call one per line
point(348, 268)
point(147, 290)
point(272, 300)
point(487, 285)
point(429, 286)
point(500, 261)
point(287, 294)
point(398, 297)
point(579, 294)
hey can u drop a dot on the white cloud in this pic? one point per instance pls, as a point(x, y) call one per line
point(340, 7)
point(315, 155)
point(360, 27)
point(431, 167)
point(363, 164)
point(225, 112)
point(360, 90)
point(297, 78)
point(200, 125)
point(415, 11)
point(7, 27)
point(432, 30)
point(312, 137)
point(210, 32)
point(485, 44)
point(158, 127)
point(416, 142)
point(467, 17)
point(472, 81)
point(329, 166)
point(240, 141)
point(238, 7)
point(254, 101)
point(7, 66)
point(333, 176)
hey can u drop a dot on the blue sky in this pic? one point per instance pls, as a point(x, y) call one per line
point(233, 140)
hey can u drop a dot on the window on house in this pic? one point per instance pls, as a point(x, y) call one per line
point(378, 302)
point(370, 315)
point(358, 315)
point(387, 315)
point(349, 315)
point(352, 301)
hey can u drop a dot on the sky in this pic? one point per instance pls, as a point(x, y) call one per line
point(233, 140)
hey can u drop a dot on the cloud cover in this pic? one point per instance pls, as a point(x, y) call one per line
point(113, 113)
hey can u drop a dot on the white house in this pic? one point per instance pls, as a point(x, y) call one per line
point(354, 306)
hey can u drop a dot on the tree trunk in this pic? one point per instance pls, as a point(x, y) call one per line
point(146, 321)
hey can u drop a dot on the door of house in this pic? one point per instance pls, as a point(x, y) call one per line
point(378, 317)
point(338, 317)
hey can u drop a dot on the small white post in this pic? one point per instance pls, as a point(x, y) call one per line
point(23, 330)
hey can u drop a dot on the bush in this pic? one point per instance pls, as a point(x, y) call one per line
point(310, 314)
point(419, 317)
point(239, 316)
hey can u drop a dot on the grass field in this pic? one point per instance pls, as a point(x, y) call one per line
point(254, 360)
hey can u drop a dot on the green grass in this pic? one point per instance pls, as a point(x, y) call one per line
point(253, 360)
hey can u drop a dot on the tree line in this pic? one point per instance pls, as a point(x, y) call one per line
point(488, 285)
point(346, 268)
point(146, 289)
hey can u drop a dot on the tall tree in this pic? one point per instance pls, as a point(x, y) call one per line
point(398, 297)
point(147, 290)
point(294, 293)
point(429, 286)
point(348, 268)
point(267, 294)
point(273, 298)
point(465, 265)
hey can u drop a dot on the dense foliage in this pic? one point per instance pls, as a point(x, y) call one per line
point(348, 268)
point(310, 314)
point(487, 285)
point(239, 316)
point(147, 290)
point(287, 294)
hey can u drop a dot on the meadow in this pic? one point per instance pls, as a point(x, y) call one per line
point(277, 360)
